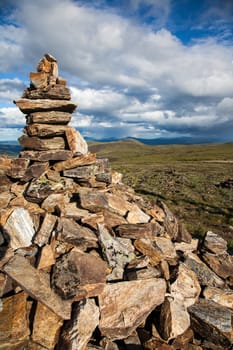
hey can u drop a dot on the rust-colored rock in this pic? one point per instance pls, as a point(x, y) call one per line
point(36, 143)
point(85, 159)
point(18, 168)
point(221, 264)
point(37, 285)
point(46, 327)
point(45, 130)
point(78, 275)
point(43, 235)
point(14, 327)
point(76, 142)
point(44, 156)
point(34, 171)
point(136, 231)
point(80, 236)
point(78, 331)
point(41, 105)
point(125, 305)
point(214, 243)
point(146, 247)
point(223, 297)
point(53, 92)
point(174, 318)
point(39, 79)
point(49, 117)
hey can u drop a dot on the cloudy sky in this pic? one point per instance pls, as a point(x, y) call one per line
point(139, 68)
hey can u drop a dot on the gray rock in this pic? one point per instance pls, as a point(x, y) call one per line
point(213, 322)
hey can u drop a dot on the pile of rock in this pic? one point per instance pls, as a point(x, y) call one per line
point(88, 264)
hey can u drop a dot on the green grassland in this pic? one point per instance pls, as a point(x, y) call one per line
point(191, 179)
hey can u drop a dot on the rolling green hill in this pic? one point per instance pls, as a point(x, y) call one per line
point(195, 180)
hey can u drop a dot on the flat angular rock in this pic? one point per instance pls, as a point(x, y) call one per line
point(170, 222)
point(53, 92)
point(19, 228)
point(116, 253)
point(157, 344)
point(183, 340)
point(5, 165)
point(156, 212)
point(93, 200)
point(137, 216)
point(174, 318)
point(92, 220)
point(118, 204)
point(111, 220)
point(38, 80)
point(36, 284)
point(86, 171)
point(50, 117)
point(78, 275)
point(5, 198)
point(43, 235)
point(78, 331)
point(183, 234)
point(78, 235)
point(13, 321)
point(205, 275)
point(34, 171)
point(223, 297)
point(55, 200)
point(167, 249)
point(72, 211)
point(117, 177)
point(46, 259)
point(125, 305)
point(147, 248)
point(186, 287)
point(186, 248)
point(213, 322)
point(44, 156)
point(42, 187)
point(143, 274)
point(41, 105)
point(45, 130)
point(46, 327)
point(76, 142)
point(221, 264)
point(18, 168)
point(86, 159)
point(143, 230)
point(35, 143)
point(5, 183)
point(214, 243)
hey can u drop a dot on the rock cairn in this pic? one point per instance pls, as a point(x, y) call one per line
point(85, 262)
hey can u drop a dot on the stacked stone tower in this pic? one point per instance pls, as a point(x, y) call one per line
point(47, 136)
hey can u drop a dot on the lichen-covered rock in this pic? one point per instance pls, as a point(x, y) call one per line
point(78, 275)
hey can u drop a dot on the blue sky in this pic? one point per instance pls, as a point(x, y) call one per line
point(140, 68)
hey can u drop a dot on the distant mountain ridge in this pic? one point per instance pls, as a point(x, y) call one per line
point(157, 141)
point(12, 148)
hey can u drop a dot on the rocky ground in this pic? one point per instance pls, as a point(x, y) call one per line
point(88, 264)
